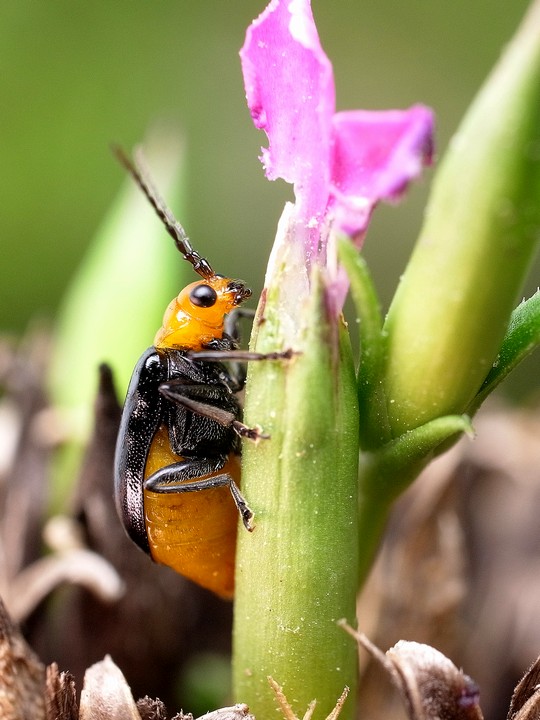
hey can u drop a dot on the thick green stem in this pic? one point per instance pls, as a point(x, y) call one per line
point(453, 305)
point(297, 572)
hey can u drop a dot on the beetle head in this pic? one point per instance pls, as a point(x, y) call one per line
point(197, 315)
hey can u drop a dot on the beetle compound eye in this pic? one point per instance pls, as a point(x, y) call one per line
point(203, 296)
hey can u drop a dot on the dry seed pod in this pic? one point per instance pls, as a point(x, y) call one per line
point(106, 694)
point(525, 704)
point(430, 684)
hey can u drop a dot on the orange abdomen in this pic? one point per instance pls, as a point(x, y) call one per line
point(194, 533)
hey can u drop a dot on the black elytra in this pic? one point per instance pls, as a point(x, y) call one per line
point(195, 401)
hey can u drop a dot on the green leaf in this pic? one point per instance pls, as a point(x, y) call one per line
point(374, 427)
point(114, 305)
point(522, 337)
point(398, 462)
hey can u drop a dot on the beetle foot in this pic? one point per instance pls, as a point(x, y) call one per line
point(243, 508)
point(251, 433)
point(247, 517)
point(283, 355)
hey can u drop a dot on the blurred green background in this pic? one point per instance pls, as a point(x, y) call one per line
point(76, 76)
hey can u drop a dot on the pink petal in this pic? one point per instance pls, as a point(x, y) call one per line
point(290, 92)
point(375, 156)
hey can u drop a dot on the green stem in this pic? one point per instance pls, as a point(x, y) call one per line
point(389, 470)
point(297, 572)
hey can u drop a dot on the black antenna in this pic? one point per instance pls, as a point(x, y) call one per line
point(139, 173)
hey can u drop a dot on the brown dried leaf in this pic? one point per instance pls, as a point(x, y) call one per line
point(75, 566)
point(23, 470)
point(424, 548)
point(22, 676)
point(60, 698)
point(106, 695)
point(525, 704)
point(460, 568)
point(151, 660)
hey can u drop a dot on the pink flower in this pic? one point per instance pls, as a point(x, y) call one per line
point(341, 164)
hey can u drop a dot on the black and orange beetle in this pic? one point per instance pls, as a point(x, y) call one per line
point(177, 455)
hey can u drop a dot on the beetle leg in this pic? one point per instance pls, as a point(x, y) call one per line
point(176, 478)
point(231, 340)
point(232, 330)
point(179, 394)
point(251, 433)
point(242, 355)
point(232, 322)
point(235, 358)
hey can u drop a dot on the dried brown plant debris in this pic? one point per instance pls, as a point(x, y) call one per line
point(459, 570)
point(22, 676)
point(430, 685)
point(29, 691)
point(433, 688)
point(525, 704)
point(105, 591)
point(460, 565)
point(288, 713)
